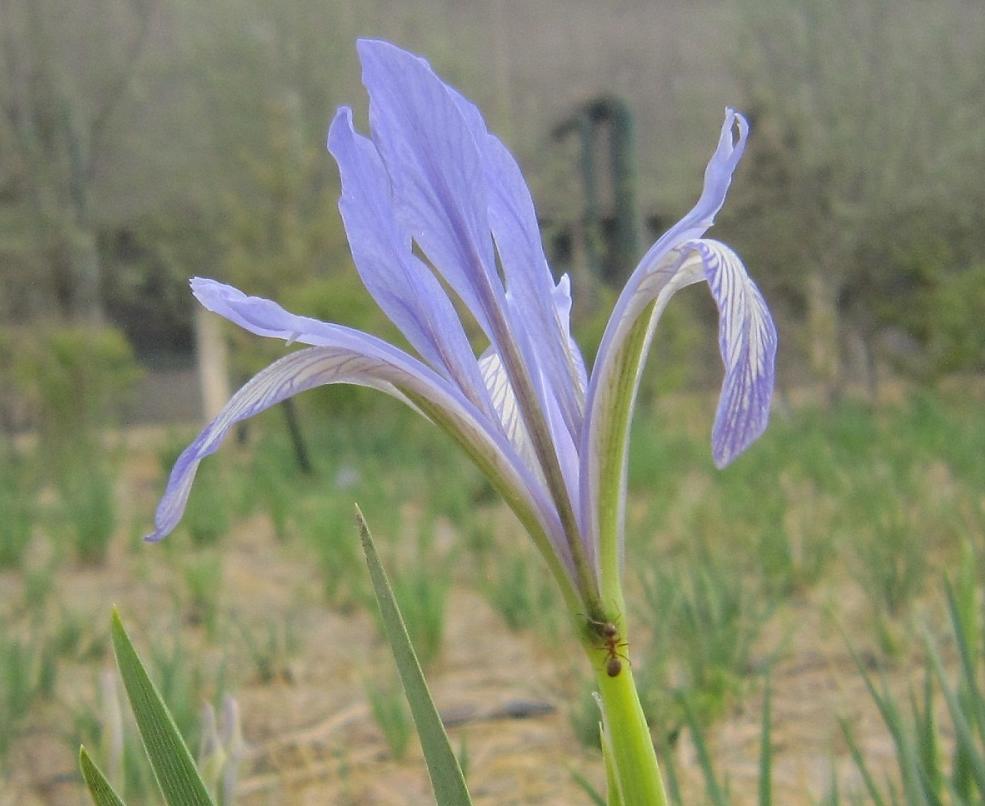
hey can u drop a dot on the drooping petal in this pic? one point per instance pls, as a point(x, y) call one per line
point(401, 284)
point(295, 373)
point(747, 340)
point(431, 394)
point(615, 376)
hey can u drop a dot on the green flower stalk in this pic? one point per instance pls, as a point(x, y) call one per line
point(431, 180)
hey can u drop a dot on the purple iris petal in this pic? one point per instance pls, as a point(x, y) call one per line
point(388, 372)
point(747, 340)
point(664, 269)
point(401, 284)
point(301, 370)
point(438, 182)
point(440, 193)
point(527, 414)
point(561, 299)
point(507, 410)
point(529, 283)
point(258, 315)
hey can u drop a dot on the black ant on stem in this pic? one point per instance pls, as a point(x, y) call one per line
point(611, 643)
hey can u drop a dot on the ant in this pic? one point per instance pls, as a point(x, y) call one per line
point(609, 634)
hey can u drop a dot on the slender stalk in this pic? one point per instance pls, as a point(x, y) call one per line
point(629, 737)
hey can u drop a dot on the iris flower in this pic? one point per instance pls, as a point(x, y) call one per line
point(435, 207)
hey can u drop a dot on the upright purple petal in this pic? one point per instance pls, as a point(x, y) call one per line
point(441, 196)
point(529, 284)
point(401, 284)
point(438, 181)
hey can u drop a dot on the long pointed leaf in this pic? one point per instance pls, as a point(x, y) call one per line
point(174, 769)
point(446, 775)
point(670, 773)
point(859, 760)
point(100, 789)
point(716, 794)
point(965, 737)
point(968, 674)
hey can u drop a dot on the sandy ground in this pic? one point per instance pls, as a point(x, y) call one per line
point(311, 738)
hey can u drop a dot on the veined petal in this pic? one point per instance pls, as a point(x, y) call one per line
point(406, 380)
point(441, 197)
point(747, 340)
point(506, 406)
point(615, 378)
point(504, 402)
point(292, 374)
point(402, 285)
point(438, 182)
point(431, 394)
point(533, 297)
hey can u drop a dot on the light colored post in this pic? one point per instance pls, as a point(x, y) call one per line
point(213, 362)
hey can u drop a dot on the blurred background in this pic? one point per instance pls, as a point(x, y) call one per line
point(146, 141)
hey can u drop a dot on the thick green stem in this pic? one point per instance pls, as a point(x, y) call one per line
point(629, 737)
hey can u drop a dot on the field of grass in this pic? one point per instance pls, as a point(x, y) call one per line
point(819, 560)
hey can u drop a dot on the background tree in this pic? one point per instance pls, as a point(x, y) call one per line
point(58, 111)
point(862, 158)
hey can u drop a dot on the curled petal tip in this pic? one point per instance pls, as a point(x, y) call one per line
point(342, 117)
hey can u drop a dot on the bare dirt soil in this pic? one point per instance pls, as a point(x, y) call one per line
point(311, 738)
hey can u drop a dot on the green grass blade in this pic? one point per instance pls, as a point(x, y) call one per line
point(766, 750)
point(859, 760)
point(963, 733)
point(915, 786)
point(714, 789)
point(175, 771)
point(588, 788)
point(446, 775)
point(670, 773)
point(100, 789)
point(926, 733)
point(968, 675)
